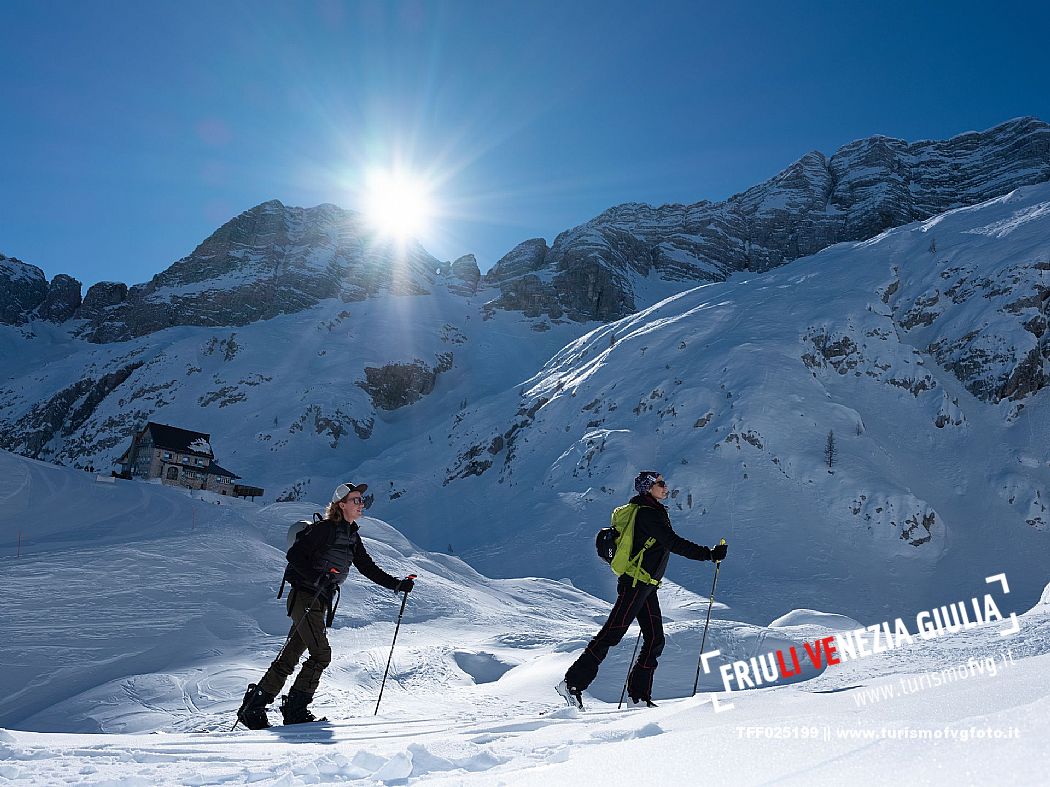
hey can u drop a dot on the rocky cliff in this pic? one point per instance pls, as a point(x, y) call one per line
point(267, 261)
point(594, 271)
point(23, 289)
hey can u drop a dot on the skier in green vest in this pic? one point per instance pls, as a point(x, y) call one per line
point(653, 542)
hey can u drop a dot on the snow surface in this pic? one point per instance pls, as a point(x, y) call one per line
point(134, 625)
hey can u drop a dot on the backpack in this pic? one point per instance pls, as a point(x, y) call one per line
point(299, 559)
point(301, 563)
point(614, 544)
point(300, 528)
point(605, 543)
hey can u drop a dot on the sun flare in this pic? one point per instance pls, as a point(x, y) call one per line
point(397, 205)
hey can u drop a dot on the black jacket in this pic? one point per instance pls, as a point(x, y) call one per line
point(333, 545)
point(652, 521)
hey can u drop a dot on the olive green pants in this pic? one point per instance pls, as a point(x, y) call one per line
point(307, 633)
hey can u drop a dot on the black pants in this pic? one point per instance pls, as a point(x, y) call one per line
point(632, 603)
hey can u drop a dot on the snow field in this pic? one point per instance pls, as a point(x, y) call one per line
point(152, 639)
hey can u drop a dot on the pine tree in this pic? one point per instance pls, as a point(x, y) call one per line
point(829, 448)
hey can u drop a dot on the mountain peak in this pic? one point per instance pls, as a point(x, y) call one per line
point(272, 204)
point(271, 259)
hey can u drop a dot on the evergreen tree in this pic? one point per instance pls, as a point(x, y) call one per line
point(829, 448)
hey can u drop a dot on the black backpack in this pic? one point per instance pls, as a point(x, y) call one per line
point(301, 563)
point(605, 542)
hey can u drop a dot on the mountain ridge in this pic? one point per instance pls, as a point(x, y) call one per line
point(274, 259)
point(594, 270)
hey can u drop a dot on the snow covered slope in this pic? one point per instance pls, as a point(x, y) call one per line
point(118, 627)
point(924, 351)
point(285, 399)
point(137, 607)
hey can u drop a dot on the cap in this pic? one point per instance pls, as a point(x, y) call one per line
point(343, 490)
point(645, 480)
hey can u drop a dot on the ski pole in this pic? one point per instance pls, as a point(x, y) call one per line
point(625, 680)
point(710, 603)
point(391, 656)
point(293, 632)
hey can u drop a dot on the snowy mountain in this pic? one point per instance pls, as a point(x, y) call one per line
point(268, 261)
point(633, 255)
point(275, 259)
point(24, 290)
point(507, 434)
point(315, 391)
point(159, 606)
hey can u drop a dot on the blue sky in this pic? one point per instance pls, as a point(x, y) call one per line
point(131, 131)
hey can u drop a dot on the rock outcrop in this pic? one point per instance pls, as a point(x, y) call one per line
point(22, 289)
point(464, 275)
point(62, 414)
point(101, 298)
point(62, 301)
point(399, 384)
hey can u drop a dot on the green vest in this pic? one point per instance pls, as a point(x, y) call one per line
point(623, 561)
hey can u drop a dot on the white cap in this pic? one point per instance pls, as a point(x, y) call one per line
point(343, 490)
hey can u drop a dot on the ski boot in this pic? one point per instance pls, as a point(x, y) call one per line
point(294, 710)
point(647, 701)
point(252, 713)
point(573, 696)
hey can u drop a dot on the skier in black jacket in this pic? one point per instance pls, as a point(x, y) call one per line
point(327, 549)
point(636, 598)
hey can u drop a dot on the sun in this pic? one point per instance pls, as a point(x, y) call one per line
point(397, 204)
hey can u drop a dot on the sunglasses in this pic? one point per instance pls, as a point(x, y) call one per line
point(357, 501)
point(660, 483)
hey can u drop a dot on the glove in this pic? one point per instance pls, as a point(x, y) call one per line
point(718, 553)
point(330, 580)
point(405, 585)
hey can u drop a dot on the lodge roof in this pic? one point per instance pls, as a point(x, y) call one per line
point(215, 469)
point(172, 438)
